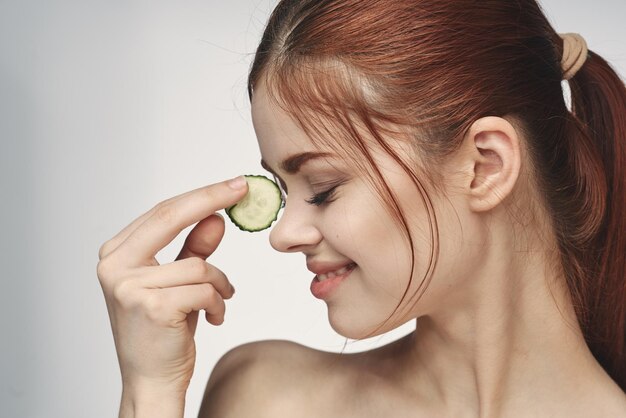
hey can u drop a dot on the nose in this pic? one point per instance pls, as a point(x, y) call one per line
point(294, 231)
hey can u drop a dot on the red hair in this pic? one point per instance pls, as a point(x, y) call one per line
point(426, 70)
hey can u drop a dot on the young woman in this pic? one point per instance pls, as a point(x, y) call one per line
point(430, 163)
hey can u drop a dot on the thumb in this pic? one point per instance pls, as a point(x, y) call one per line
point(204, 238)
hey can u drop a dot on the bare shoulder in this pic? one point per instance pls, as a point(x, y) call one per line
point(262, 379)
point(278, 378)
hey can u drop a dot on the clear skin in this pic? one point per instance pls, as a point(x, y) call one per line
point(491, 340)
point(154, 309)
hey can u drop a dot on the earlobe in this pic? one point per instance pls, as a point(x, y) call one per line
point(495, 157)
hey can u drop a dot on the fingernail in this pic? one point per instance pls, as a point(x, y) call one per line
point(232, 288)
point(237, 183)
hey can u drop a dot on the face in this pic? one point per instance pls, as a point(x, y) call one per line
point(351, 226)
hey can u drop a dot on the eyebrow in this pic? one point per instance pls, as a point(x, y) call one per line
point(292, 164)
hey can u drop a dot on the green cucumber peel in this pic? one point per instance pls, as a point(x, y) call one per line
point(259, 207)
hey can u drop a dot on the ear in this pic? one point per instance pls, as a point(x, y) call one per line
point(493, 161)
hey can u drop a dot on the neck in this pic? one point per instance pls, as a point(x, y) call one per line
point(514, 350)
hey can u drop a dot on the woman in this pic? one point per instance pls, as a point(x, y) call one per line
point(428, 158)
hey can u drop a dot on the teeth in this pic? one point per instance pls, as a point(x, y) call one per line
point(331, 274)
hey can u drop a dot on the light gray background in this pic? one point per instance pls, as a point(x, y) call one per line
point(107, 108)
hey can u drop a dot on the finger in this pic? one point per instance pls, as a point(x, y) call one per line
point(114, 242)
point(170, 219)
point(203, 238)
point(184, 272)
point(194, 297)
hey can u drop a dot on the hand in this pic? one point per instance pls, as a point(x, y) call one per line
point(154, 309)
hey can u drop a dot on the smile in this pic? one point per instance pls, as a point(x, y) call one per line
point(332, 274)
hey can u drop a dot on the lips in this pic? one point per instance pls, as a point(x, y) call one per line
point(323, 286)
point(332, 274)
point(327, 268)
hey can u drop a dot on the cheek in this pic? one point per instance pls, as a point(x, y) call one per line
point(360, 221)
point(445, 257)
point(419, 249)
point(365, 232)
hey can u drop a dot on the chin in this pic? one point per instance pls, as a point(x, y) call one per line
point(357, 329)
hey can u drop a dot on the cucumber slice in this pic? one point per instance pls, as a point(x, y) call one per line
point(259, 208)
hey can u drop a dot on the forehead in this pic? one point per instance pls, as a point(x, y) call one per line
point(278, 134)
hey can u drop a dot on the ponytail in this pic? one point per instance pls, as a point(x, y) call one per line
point(599, 122)
point(404, 63)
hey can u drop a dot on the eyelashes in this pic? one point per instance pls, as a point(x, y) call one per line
point(317, 199)
point(323, 197)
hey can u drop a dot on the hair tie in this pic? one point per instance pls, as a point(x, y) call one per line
point(574, 54)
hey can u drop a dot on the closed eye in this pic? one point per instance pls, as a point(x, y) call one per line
point(323, 197)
